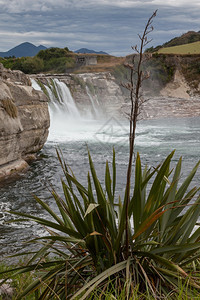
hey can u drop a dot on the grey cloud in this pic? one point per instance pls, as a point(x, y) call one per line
point(111, 25)
point(18, 6)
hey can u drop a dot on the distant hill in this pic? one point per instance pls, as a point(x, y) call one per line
point(186, 38)
point(24, 49)
point(85, 50)
point(189, 37)
point(190, 48)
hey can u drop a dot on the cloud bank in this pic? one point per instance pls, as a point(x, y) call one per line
point(108, 25)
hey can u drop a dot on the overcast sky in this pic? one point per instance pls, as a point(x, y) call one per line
point(107, 25)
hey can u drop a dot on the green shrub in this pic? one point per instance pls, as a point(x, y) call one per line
point(149, 243)
point(55, 64)
point(88, 236)
point(58, 65)
point(50, 60)
point(32, 65)
point(50, 53)
point(9, 63)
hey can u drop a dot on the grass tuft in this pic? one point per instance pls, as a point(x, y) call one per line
point(10, 108)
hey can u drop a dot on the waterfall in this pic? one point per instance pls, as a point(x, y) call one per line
point(58, 91)
point(96, 96)
point(35, 85)
point(86, 121)
point(65, 118)
point(54, 105)
point(93, 101)
point(61, 100)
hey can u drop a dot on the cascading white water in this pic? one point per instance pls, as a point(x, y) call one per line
point(64, 115)
point(54, 105)
point(66, 99)
point(154, 140)
point(35, 85)
point(66, 122)
point(61, 101)
point(93, 101)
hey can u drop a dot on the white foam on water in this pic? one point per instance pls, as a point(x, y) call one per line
point(35, 85)
point(68, 124)
point(66, 98)
point(65, 129)
point(94, 102)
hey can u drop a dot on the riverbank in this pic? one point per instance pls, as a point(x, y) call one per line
point(24, 122)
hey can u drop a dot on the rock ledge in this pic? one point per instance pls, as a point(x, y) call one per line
point(24, 121)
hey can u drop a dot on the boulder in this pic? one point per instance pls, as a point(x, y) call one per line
point(24, 121)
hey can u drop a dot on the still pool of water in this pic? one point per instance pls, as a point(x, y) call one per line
point(155, 139)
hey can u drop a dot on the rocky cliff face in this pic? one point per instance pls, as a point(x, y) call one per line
point(24, 121)
point(186, 76)
point(92, 92)
point(103, 91)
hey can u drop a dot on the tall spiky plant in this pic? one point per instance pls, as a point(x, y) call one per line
point(92, 242)
point(136, 99)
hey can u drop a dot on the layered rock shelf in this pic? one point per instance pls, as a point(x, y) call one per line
point(102, 87)
point(174, 100)
point(24, 117)
point(24, 121)
point(167, 107)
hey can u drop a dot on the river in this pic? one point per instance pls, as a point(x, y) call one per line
point(155, 139)
point(72, 134)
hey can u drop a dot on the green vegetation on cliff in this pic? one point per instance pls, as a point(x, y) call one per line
point(161, 72)
point(161, 65)
point(145, 243)
point(192, 48)
point(187, 43)
point(186, 38)
point(190, 68)
point(55, 60)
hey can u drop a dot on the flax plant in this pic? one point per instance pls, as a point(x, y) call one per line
point(149, 243)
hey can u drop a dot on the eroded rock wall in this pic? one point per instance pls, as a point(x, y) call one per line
point(24, 121)
point(173, 100)
point(100, 88)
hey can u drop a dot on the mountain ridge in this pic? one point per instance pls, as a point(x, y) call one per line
point(23, 49)
point(88, 51)
point(27, 49)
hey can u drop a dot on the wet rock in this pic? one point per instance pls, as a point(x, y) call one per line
point(24, 121)
point(102, 87)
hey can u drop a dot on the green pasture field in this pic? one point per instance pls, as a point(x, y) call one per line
point(192, 48)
